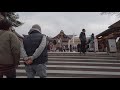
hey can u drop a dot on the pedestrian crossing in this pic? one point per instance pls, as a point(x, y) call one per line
point(66, 65)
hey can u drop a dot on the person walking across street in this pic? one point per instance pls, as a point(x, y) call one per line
point(34, 52)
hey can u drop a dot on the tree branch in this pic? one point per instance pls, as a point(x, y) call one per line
point(111, 13)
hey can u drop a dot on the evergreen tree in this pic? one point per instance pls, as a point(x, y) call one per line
point(13, 17)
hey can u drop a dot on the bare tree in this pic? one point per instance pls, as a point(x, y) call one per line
point(111, 13)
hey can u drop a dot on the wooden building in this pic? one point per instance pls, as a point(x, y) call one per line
point(75, 41)
point(61, 39)
point(112, 32)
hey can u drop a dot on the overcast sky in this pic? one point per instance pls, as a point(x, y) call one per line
point(70, 22)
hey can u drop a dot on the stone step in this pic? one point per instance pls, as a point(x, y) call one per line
point(83, 60)
point(66, 73)
point(85, 64)
point(90, 53)
point(78, 68)
point(49, 77)
point(106, 65)
point(82, 57)
point(78, 54)
point(81, 63)
point(73, 66)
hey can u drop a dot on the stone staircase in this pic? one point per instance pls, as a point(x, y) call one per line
point(76, 65)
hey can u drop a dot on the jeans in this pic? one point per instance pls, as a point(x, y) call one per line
point(39, 69)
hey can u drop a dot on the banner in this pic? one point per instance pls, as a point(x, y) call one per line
point(112, 45)
point(96, 44)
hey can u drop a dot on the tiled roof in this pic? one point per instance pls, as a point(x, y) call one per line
point(70, 36)
point(116, 25)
